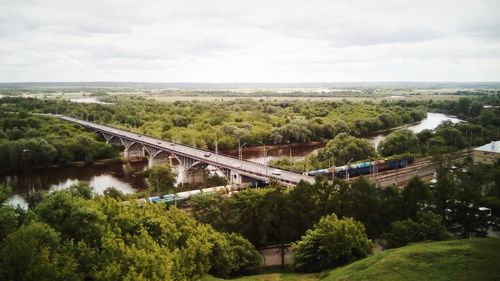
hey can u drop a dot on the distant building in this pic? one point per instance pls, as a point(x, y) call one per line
point(487, 154)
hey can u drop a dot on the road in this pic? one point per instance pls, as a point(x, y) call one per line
point(244, 167)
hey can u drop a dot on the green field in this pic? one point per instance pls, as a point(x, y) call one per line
point(473, 259)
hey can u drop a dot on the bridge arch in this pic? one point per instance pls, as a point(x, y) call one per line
point(199, 165)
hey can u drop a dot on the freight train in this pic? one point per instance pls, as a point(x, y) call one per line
point(364, 168)
point(177, 198)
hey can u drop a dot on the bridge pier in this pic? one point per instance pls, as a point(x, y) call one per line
point(138, 147)
point(234, 177)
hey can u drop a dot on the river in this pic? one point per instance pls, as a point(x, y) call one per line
point(113, 174)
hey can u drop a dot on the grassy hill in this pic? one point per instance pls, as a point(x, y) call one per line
point(473, 259)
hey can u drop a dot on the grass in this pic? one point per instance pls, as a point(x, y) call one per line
point(473, 259)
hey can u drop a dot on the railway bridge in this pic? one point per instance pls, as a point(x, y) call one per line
point(189, 157)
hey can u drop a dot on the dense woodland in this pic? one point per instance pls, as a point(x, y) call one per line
point(68, 235)
point(75, 235)
point(28, 141)
point(419, 212)
point(253, 122)
point(482, 126)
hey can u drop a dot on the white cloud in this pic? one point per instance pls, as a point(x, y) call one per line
point(249, 41)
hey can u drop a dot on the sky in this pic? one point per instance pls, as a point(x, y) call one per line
point(249, 41)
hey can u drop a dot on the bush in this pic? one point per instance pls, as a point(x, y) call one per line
point(332, 242)
point(427, 227)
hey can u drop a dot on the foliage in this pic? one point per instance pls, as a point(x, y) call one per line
point(5, 192)
point(416, 195)
point(161, 178)
point(399, 142)
point(427, 227)
point(332, 242)
point(36, 252)
point(8, 221)
point(28, 141)
point(251, 121)
point(344, 148)
point(362, 202)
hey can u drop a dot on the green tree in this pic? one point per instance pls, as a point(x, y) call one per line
point(332, 242)
point(416, 195)
point(399, 142)
point(5, 192)
point(67, 213)
point(161, 178)
point(362, 202)
point(37, 252)
point(344, 148)
point(427, 227)
point(8, 221)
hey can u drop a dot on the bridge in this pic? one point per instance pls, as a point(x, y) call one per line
point(190, 158)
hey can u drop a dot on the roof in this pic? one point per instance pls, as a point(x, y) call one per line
point(494, 146)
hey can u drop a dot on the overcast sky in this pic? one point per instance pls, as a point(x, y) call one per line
point(249, 41)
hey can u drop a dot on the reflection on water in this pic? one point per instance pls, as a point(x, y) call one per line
point(299, 151)
point(429, 123)
point(103, 176)
point(89, 100)
point(432, 121)
point(100, 177)
point(17, 201)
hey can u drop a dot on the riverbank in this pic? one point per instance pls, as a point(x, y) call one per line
point(72, 164)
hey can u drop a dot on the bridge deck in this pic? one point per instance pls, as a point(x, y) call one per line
point(244, 167)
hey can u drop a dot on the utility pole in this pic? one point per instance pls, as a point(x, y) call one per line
point(266, 148)
point(333, 167)
point(240, 152)
point(347, 169)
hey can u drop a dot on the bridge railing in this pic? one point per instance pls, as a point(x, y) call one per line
point(89, 124)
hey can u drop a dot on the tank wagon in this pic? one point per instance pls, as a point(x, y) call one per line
point(177, 198)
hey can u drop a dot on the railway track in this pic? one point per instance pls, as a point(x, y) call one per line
point(423, 168)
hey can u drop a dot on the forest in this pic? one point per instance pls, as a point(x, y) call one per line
point(218, 235)
point(31, 141)
point(331, 220)
point(482, 126)
point(253, 122)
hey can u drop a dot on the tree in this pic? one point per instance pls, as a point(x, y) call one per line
point(5, 192)
point(399, 142)
point(114, 193)
point(37, 252)
point(213, 209)
point(416, 195)
point(232, 255)
point(344, 148)
point(82, 189)
point(8, 221)
point(332, 242)
point(66, 213)
point(361, 201)
point(427, 227)
point(161, 178)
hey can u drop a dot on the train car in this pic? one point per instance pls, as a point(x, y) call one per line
point(358, 169)
point(397, 163)
point(208, 190)
point(340, 172)
point(154, 199)
point(364, 168)
point(183, 195)
point(317, 172)
point(194, 192)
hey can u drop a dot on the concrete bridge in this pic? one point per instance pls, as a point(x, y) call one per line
point(189, 157)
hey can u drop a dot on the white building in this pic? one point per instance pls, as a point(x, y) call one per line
point(487, 154)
